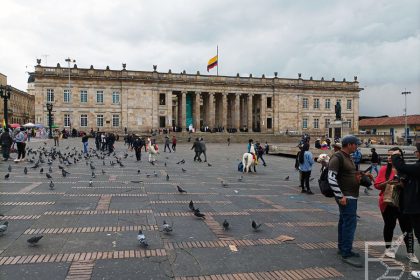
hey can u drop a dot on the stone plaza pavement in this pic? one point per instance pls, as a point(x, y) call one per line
point(90, 232)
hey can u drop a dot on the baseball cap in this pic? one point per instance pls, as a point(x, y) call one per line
point(350, 139)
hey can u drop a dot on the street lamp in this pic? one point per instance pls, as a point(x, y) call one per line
point(69, 61)
point(5, 92)
point(405, 114)
point(49, 108)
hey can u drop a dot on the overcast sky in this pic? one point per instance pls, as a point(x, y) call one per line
point(378, 41)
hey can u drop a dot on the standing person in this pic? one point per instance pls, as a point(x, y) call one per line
point(357, 158)
point(203, 149)
point(167, 144)
point(85, 141)
point(20, 143)
point(260, 153)
point(174, 143)
point(306, 161)
point(152, 152)
point(56, 136)
point(374, 161)
point(6, 142)
point(266, 148)
point(137, 145)
point(411, 192)
point(251, 149)
point(228, 141)
point(344, 181)
point(197, 149)
point(391, 214)
point(110, 141)
point(97, 140)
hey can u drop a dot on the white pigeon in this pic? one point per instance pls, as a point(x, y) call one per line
point(166, 227)
point(141, 238)
point(3, 227)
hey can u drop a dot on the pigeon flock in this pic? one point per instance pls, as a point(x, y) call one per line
point(65, 160)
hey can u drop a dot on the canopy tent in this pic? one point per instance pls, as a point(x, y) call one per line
point(54, 126)
point(14, 125)
point(39, 125)
point(29, 125)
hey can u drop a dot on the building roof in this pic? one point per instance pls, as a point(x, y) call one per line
point(390, 121)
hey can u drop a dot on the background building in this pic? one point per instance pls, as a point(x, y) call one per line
point(107, 100)
point(392, 126)
point(21, 106)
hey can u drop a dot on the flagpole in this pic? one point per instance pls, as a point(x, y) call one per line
point(217, 60)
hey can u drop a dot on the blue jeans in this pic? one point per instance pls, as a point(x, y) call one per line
point(85, 147)
point(347, 226)
point(374, 166)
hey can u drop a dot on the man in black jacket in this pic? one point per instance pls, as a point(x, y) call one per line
point(6, 142)
point(197, 149)
point(410, 174)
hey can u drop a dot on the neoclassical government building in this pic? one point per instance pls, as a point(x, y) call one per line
point(110, 100)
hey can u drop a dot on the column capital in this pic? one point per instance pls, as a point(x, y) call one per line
point(225, 93)
point(250, 94)
point(197, 93)
point(238, 93)
point(211, 93)
point(184, 92)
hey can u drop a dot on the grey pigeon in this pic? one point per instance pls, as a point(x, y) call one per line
point(50, 169)
point(154, 173)
point(41, 170)
point(198, 214)
point(240, 178)
point(34, 240)
point(311, 179)
point(255, 226)
point(51, 185)
point(138, 171)
point(48, 175)
point(166, 227)
point(3, 227)
point(208, 164)
point(9, 168)
point(103, 172)
point(183, 170)
point(64, 172)
point(93, 175)
point(191, 205)
point(224, 184)
point(25, 170)
point(167, 177)
point(90, 183)
point(6, 176)
point(287, 178)
point(225, 225)
point(180, 190)
point(141, 238)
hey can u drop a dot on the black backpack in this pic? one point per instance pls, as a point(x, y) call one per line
point(324, 185)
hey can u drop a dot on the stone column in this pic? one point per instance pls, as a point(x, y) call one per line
point(169, 109)
point(197, 111)
point(211, 113)
point(237, 112)
point(184, 110)
point(224, 110)
point(249, 113)
point(263, 113)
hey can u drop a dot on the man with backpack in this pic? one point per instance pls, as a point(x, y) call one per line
point(344, 181)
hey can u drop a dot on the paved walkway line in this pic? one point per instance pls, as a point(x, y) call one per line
point(97, 212)
point(69, 230)
point(30, 187)
point(80, 270)
point(27, 203)
point(103, 203)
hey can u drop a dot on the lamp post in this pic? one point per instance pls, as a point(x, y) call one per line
point(49, 108)
point(5, 92)
point(405, 114)
point(69, 61)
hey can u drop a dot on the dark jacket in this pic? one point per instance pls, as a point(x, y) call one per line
point(6, 139)
point(196, 146)
point(203, 146)
point(411, 191)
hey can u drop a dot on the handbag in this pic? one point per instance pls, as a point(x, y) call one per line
point(392, 194)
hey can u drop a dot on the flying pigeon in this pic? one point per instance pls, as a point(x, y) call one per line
point(25, 170)
point(141, 238)
point(191, 205)
point(287, 178)
point(180, 190)
point(225, 225)
point(51, 185)
point(255, 226)
point(3, 227)
point(9, 168)
point(198, 214)
point(166, 227)
point(7, 176)
point(34, 240)
point(48, 175)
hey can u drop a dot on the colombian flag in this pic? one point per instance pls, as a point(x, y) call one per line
point(212, 63)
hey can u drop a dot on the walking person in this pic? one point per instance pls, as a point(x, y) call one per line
point(56, 136)
point(306, 161)
point(6, 142)
point(167, 144)
point(357, 158)
point(410, 203)
point(20, 143)
point(197, 149)
point(391, 214)
point(203, 149)
point(173, 143)
point(344, 181)
point(137, 145)
point(374, 161)
point(260, 153)
point(85, 141)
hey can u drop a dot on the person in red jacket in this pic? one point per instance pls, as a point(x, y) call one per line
point(391, 214)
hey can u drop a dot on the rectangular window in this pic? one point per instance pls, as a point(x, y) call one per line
point(316, 123)
point(83, 120)
point(316, 103)
point(115, 120)
point(66, 120)
point(162, 121)
point(349, 104)
point(327, 123)
point(269, 123)
point(99, 120)
point(50, 95)
point(305, 103)
point(269, 102)
point(162, 99)
point(66, 96)
point(305, 123)
point(327, 103)
point(100, 96)
point(83, 96)
point(115, 97)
